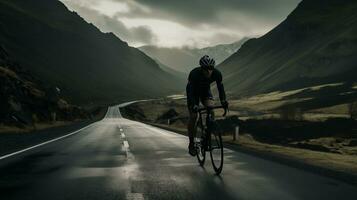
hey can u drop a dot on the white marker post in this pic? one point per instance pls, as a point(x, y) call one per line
point(236, 134)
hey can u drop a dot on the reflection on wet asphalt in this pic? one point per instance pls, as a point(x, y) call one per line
point(121, 159)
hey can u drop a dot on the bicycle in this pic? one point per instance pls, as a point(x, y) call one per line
point(204, 140)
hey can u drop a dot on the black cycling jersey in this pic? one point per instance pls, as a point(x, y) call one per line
point(198, 86)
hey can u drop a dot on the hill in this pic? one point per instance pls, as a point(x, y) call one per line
point(315, 45)
point(59, 47)
point(25, 100)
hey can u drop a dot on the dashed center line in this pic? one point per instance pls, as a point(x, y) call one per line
point(126, 145)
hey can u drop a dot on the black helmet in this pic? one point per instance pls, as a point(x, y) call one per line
point(207, 63)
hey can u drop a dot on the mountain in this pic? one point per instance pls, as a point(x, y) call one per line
point(59, 47)
point(185, 59)
point(174, 58)
point(25, 100)
point(315, 45)
point(222, 51)
point(171, 71)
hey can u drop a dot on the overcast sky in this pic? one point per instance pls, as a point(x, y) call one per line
point(177, 23)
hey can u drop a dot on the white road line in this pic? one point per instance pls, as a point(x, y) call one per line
point(122, 135)
point(126, 145)
point(47, 142)
point(125, 148)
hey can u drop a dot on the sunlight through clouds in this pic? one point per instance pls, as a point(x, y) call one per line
point(174, 34)
point(181, 23)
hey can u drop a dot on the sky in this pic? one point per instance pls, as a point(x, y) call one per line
point(183, 23)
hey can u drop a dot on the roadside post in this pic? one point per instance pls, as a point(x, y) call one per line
point(236, 133)
point(168, 122)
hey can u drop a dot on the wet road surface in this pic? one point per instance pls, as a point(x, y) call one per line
point(121, 159)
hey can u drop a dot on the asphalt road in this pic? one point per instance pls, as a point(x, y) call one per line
point(121, 159)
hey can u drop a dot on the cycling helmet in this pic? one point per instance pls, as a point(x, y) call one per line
point(207, 63)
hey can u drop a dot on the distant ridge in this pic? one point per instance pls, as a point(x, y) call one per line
point(185, 59)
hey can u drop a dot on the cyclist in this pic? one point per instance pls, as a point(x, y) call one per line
point(198, 89)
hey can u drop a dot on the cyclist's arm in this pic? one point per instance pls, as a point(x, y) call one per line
point(190, 91)
point(220, 87)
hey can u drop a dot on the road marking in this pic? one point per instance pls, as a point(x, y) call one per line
point(47, 142)
point(120, 128)
point(134, 196)
point(126, 145)
point(126, 148)
point(122, 135)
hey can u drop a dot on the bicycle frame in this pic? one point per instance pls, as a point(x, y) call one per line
point(207, 127)
point(209, 122)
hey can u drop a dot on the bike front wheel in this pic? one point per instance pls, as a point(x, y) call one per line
point(216, 150)
point(200, 145)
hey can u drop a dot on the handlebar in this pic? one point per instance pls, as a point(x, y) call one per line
point(200, 110)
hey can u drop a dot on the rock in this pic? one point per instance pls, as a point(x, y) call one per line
point(15, 105)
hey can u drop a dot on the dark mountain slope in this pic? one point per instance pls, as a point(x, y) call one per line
point(316, 44)
point(25, 100)
point(60, 47)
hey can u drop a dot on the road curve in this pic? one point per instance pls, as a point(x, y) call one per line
point(121, 159)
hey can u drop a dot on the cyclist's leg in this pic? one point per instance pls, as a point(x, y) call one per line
point(191, 129)
point(209, 102)
point(191, 126)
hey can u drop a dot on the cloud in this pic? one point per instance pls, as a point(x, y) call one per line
point(143, 34)
point(197, 12)
point(135, 36)
point(184, 23)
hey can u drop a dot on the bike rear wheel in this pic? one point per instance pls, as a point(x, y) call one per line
point(216, 149)
point(200, 144)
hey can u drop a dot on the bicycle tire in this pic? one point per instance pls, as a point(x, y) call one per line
point(216, 147)
point(200, 147)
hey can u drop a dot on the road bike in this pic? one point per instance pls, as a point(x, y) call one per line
point(209, 138)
